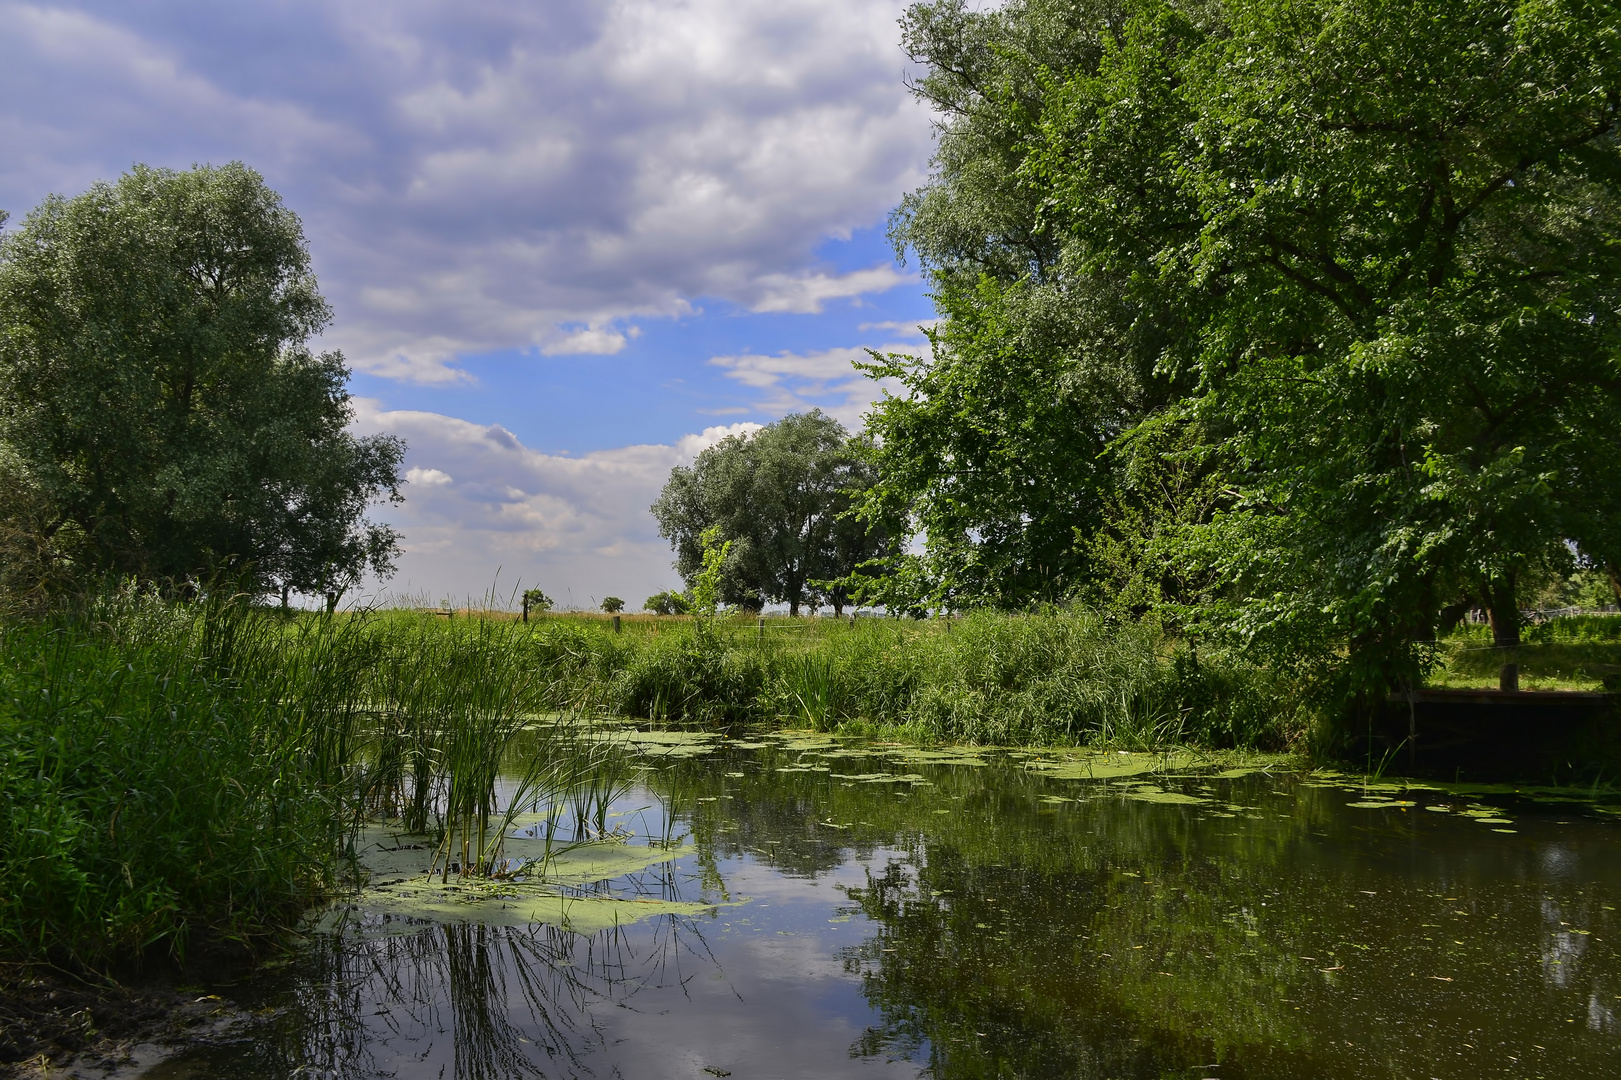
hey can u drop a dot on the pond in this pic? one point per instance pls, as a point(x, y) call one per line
point(828, 909)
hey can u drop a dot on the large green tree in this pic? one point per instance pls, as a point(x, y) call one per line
point(995, 451)
point(158, 405)
point(1379, 241)
point(780, 495)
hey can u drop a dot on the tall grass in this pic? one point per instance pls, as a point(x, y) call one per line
point(168, 770)
point(152, 769)
point(1063, 675)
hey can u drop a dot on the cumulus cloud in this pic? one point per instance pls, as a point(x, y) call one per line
point(479, 176)
point(577, 527)
point(798, 382)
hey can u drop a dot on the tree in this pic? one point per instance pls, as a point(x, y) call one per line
point(778, 496)
point(613, 605)
point(157, 400)
point(668, 602)
point(535, 601)
point(994, 452)
point(1375, 246)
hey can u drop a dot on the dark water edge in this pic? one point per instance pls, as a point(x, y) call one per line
point(882, 916)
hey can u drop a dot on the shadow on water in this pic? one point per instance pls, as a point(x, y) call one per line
point(878, 912)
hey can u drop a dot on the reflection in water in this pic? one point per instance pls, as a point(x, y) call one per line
point(468, 1002)
point(979, 922)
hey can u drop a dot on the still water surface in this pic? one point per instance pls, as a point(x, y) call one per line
point(877, 914)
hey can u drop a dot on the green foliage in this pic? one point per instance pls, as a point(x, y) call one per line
point(160, 414)
point(158, 779)
point(780, 496)
point(1360, 255)
point(668, 602)
point(1066, 676)
point(612, 604)
point(706, 588)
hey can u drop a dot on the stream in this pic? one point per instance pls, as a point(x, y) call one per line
point(820, 908)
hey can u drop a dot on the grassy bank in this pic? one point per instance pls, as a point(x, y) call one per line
point(1580, 652)
point(176, 774)
point(1064, 676)
point(171, 774)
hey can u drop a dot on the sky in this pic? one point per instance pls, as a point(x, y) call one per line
point(568, 244)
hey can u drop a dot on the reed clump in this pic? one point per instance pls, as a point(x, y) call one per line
point(161, 777)
point(170, 771)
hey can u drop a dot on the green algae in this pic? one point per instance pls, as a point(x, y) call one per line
point(400, 889)
point(1111, 766)
point(663, 744)
point(1174, 798)
point(970, 758)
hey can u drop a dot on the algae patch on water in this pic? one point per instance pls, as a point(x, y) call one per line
point(1156, 795)
point(400, 892)
point(1110, 765)
point(663, 744)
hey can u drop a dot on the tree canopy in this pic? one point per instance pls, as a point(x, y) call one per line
point(779, 496)
point(160, 413)
point(1353, 263)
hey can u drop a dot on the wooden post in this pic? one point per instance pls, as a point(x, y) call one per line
point(526, 609)
point(760, 631)
point(616, 624)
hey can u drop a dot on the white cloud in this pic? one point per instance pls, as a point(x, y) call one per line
point(594, 341)
point(577, 527)
point(479, 176)
point(828, 380)
point(907, 329)
point(426, 477)
point(807, 293)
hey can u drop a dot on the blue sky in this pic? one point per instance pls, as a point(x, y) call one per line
point(568, 244)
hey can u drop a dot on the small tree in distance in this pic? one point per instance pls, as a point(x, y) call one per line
point(536, 601)
point(668, 602)
point(613, 605)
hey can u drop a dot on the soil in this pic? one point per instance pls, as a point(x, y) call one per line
point(51, 1020)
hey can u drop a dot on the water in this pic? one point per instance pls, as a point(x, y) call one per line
point(984, 919)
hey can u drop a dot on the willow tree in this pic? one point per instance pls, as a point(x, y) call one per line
point(780, 496)
point(158, 402)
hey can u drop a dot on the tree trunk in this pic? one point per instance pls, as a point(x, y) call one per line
point(285, 589)
point(1503, 612)
point(332, 602)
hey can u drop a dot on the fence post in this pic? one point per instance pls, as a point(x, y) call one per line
point(616, 624)
point(760, 631)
